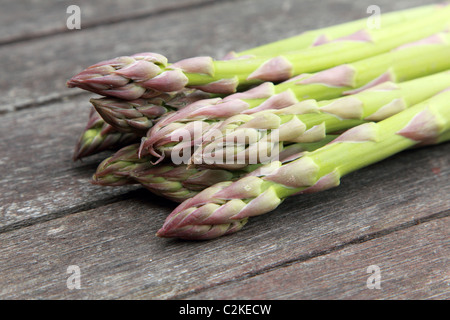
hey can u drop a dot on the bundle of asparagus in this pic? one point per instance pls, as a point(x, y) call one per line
point(230, 139)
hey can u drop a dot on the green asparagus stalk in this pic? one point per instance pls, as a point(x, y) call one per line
point(246, 136)
point(411, 61)
point(178, 182)
point(146, 73)
point(327, 34)
point(225, 207)
point(138, 117)
point(99, 136)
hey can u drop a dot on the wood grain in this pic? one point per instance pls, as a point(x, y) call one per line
point(39, 178)
point(29, 19)
point(413, 264)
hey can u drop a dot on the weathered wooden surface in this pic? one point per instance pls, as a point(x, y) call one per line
point(401, 258)
point(29, 189)
point(28, 19)
point(392, 214)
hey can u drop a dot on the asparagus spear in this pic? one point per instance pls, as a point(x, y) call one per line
point(144, 74)
point(324, 35)
point(246, 135)
point(414, 60)
point(115, 122)
point(99, 136)
point(137, 116)
point(225, 207)
point(177, 182)
point(116, 170)
point(121, 116)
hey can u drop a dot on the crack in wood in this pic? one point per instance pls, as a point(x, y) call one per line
point(73, 210)
point(41, 101)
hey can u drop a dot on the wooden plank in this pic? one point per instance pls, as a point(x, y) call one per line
point(413, 264)
point(119, 256)
point(28, 19)
point(46, 64)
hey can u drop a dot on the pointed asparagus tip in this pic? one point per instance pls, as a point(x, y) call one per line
point(70, 84)
point(122, 77)
point(146, 149)
point(101, 106)
point(142, 151)
point(77, 154)
point(203, 232)
point(86, 144)
point(161, 233)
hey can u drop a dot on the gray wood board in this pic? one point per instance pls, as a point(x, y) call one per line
point(412, 264)
point(39, 177)
point(29, 19)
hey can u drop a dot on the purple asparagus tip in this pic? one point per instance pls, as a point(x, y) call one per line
point(123, 77)
point(129, 116)
point(198, 219)
point(99, 136)
point(202, 232)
